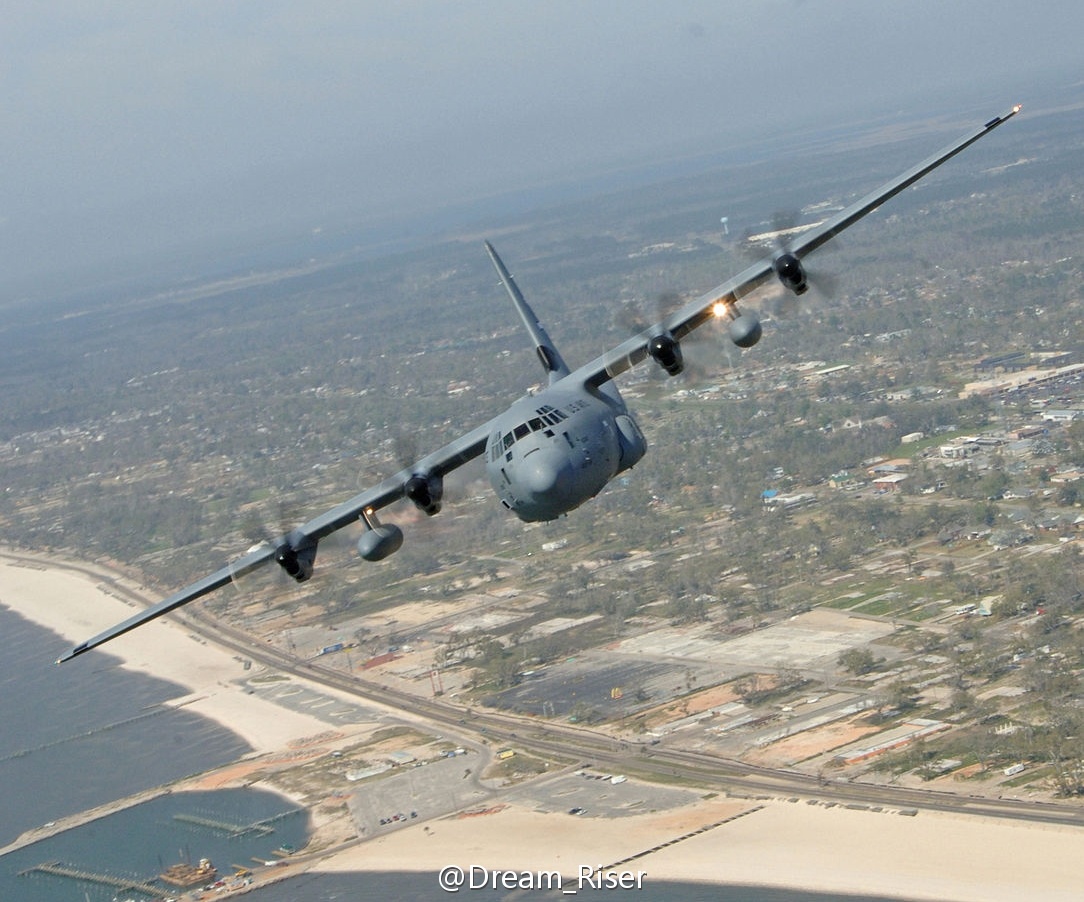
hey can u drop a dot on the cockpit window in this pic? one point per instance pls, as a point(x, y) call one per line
point(547, 416)
point(551, 415)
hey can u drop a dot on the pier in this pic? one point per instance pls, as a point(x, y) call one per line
point(153, 711)
point(58, 869)
point(260, 828)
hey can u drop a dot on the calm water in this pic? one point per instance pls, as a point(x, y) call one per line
point(80, 735)
point(142, 841)
point(75, 737)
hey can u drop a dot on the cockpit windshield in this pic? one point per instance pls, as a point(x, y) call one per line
point(547, 416)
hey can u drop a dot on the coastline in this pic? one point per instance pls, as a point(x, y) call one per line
point(780, 844)
point(785, 844)
point(75, 606)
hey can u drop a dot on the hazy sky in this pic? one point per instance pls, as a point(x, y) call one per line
point(131, 128)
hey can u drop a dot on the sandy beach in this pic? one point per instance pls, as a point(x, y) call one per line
point(778, 843)
point(76, 606)
point(795, 845)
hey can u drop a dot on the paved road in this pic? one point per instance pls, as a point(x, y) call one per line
point(568, 742)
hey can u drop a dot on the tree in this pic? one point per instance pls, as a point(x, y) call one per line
point(902, 696)
point(858, 661)
point(685, 609)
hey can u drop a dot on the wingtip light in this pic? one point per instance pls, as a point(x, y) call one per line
point(71, 653)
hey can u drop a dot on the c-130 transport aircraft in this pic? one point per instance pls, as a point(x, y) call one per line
point(550, 452)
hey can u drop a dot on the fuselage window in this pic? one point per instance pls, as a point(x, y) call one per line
point(508, 440)
point(521, 430)
point(535, 423)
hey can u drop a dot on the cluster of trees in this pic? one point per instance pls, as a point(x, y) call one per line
point(141, 429)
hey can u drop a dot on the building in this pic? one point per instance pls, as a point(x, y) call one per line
point(1062, 416)
point(890, 482)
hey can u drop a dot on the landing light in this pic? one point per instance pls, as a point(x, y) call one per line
point(719, 309)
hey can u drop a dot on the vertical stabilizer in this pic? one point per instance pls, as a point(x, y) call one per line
point(551, 360)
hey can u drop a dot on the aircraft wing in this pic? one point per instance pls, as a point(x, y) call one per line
point(699, 311)
point(595, 373)
point(439, 463)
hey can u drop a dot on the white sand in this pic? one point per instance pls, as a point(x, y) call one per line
point(792, 845)
point(931, 856)
point(77, 607)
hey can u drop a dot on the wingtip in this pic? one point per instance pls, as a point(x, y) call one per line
point(1004, 117)
point(67, 656)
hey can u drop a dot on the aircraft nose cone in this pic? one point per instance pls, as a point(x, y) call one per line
point(546, 476)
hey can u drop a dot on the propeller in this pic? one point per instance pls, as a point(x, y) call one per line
point(268, 525)
point(794, 275)
point(424, 490)
point(630, 320)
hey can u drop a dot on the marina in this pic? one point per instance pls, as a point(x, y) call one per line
point(259, 828)
point(219, 826)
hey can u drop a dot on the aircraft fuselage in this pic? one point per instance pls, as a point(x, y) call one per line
point(551, 452)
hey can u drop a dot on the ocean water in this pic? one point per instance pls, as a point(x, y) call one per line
point(143, 841)
point(73, 737)
point(80, 735)
point(77, 736)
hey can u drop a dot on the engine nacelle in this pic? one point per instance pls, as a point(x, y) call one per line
point(631, 441)
point(425, 492)
point(745, 330)
point(791, 273)
point(380, 542)
point(298, 562)
point(666, 352)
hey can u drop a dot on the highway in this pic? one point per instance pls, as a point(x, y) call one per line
point(568, 742)
point(572, 743)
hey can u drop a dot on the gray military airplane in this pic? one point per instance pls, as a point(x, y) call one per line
point(550, 452)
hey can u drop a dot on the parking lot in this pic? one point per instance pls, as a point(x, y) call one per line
point(591, 792)
point(307, 700)
point(416, 793)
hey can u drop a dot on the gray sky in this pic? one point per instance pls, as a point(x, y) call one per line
point(136, 128)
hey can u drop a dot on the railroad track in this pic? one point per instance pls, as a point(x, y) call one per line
point(564, 741)
point(569, 742)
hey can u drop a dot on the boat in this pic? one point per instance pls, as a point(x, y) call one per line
point(187, 875)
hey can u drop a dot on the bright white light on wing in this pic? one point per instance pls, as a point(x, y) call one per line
point(718, 309)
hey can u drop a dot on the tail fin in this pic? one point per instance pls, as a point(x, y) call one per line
point(552, 361)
